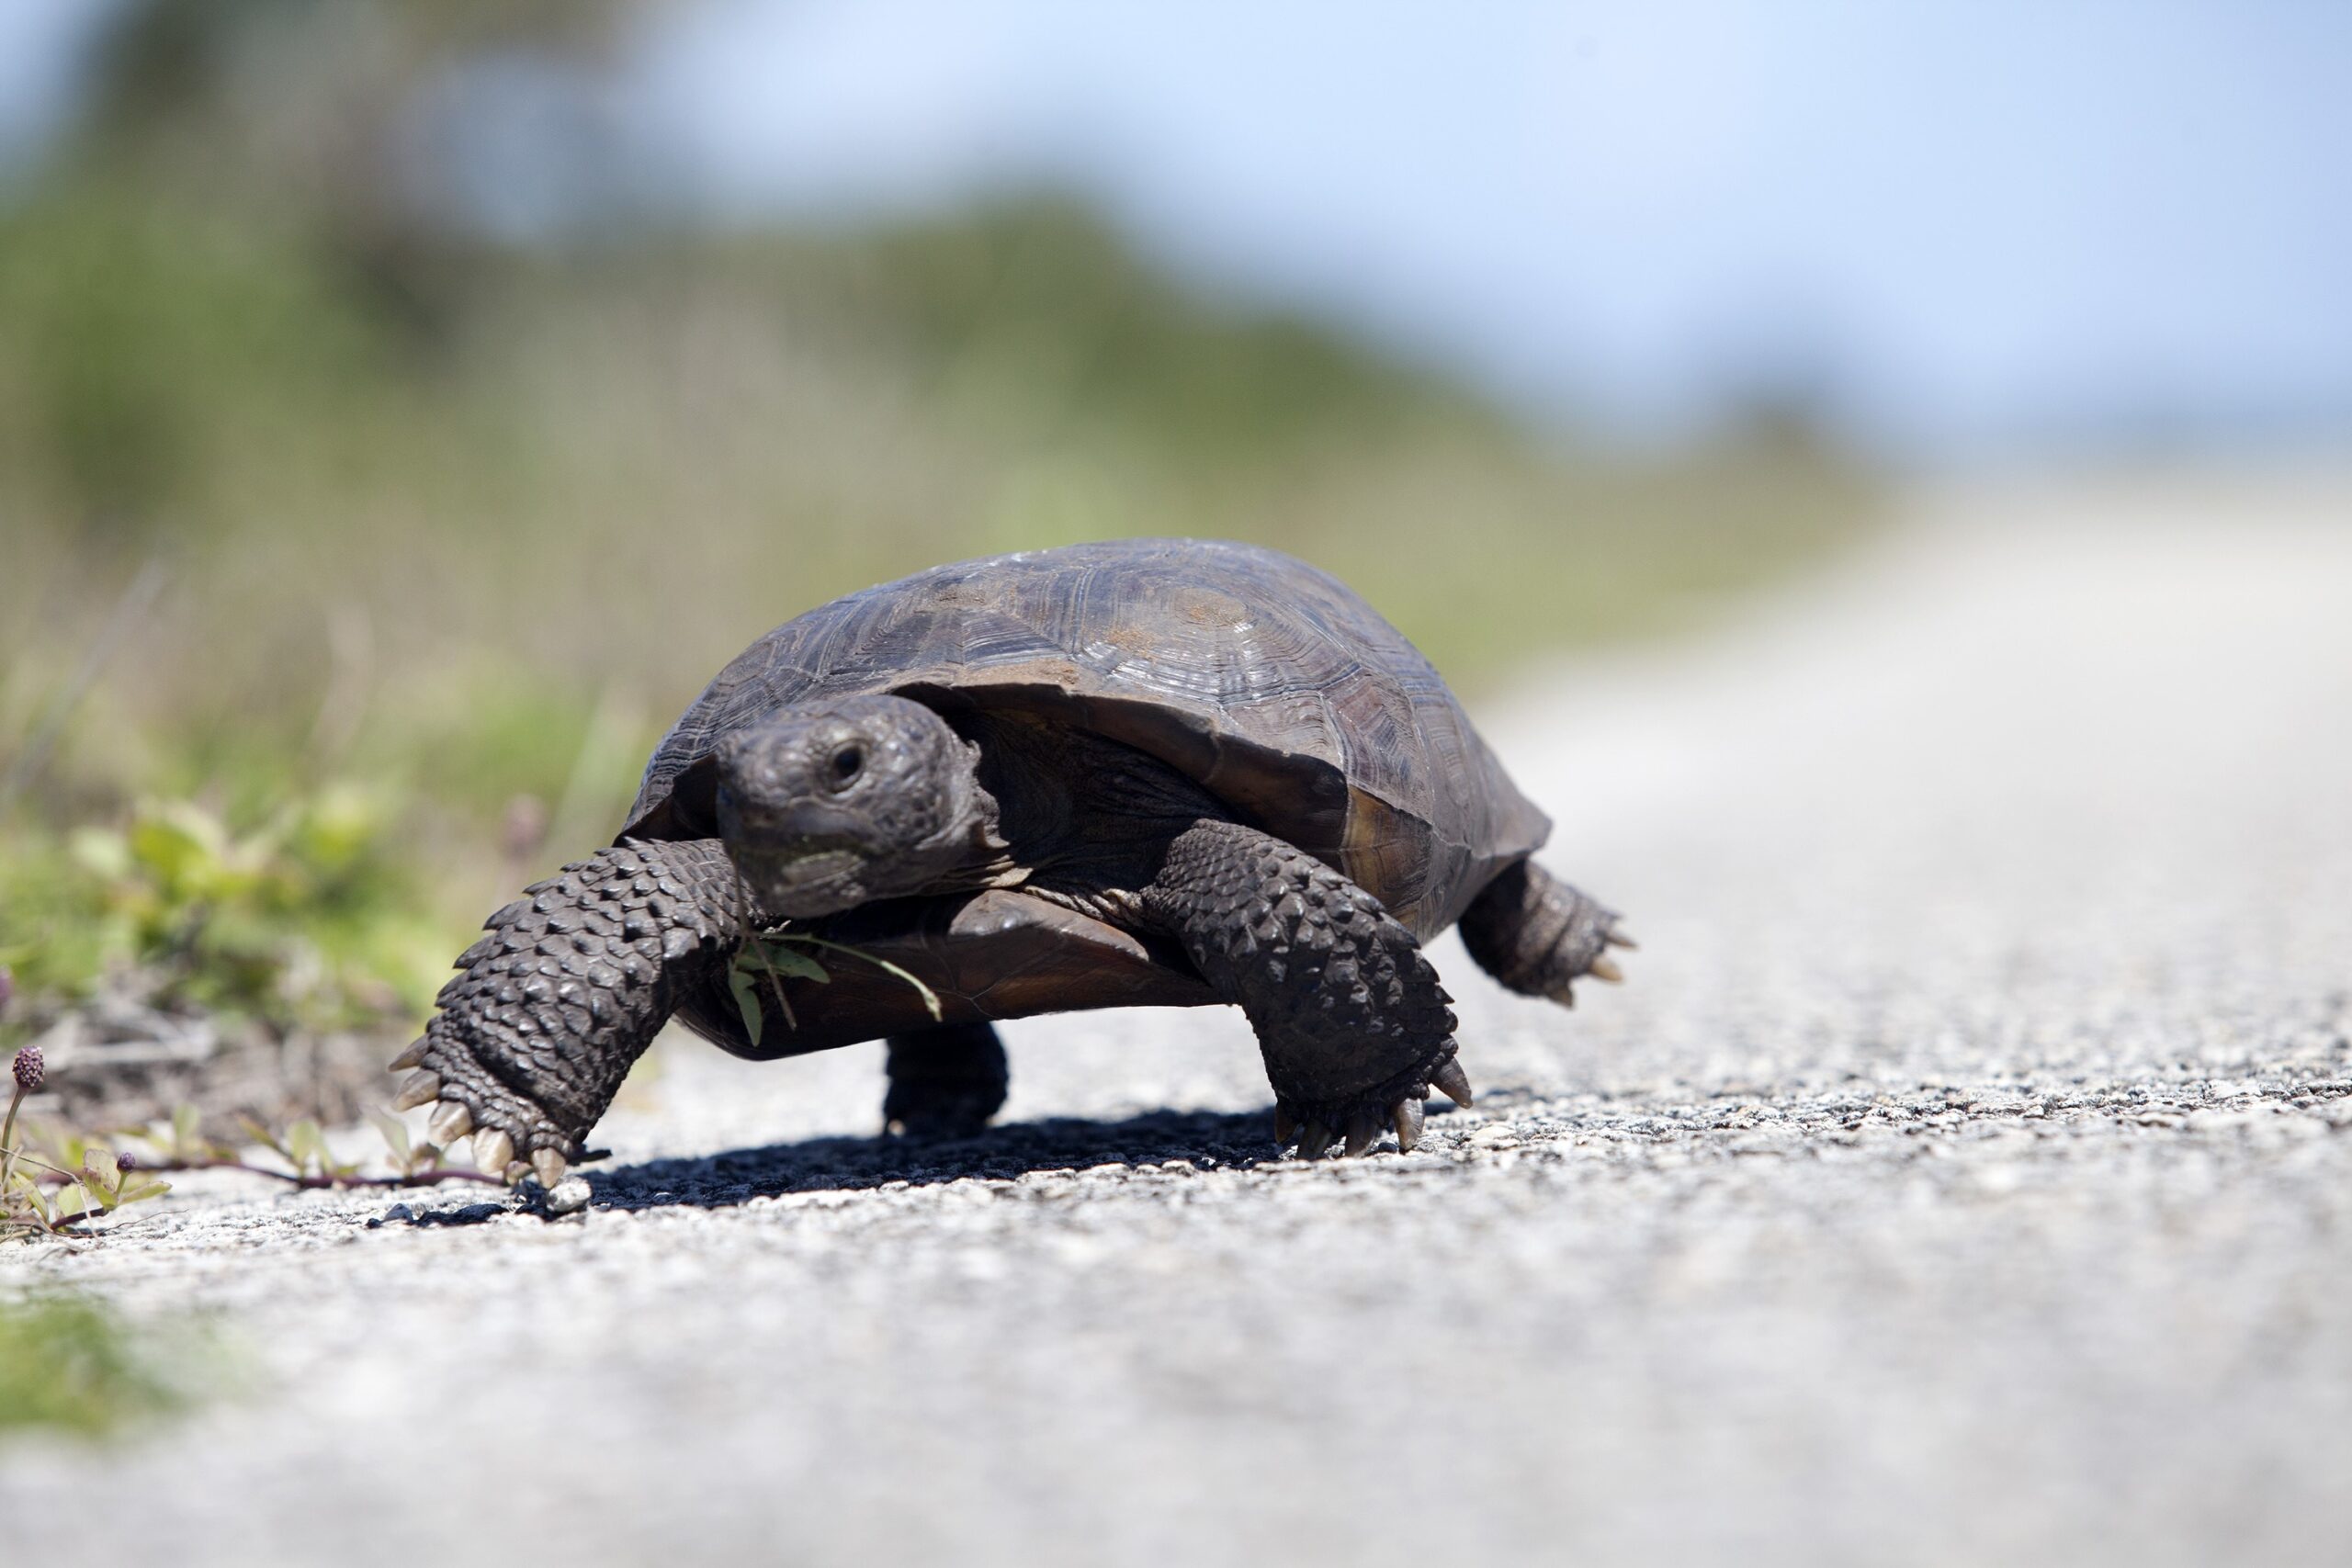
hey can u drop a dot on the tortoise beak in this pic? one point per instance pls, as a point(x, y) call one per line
point(800, 858)
point(801, 886)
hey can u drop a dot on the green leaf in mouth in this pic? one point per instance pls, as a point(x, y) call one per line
point(793, 962)
point(781, 954)
point(747, 999)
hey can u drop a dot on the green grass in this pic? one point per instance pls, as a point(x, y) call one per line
point(68, 1365)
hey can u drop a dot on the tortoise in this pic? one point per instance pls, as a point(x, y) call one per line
point(1144, 772)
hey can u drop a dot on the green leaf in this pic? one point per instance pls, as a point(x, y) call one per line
point(102, 852)
point(266, 1138)
point(306, 1145)
point(100, 1173)
point(930, 996)
point(793, 962)
point(747, 1000)
point(183, 846)
point(141, 1191)
point(395, 1134)
point(757, 952)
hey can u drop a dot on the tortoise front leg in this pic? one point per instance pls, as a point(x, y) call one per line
point(1351, 1018)
point(552, 1006)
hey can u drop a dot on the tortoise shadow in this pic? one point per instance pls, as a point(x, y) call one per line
point(1203, 1140)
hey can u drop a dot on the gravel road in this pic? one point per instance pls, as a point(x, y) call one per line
point(1965, 1175)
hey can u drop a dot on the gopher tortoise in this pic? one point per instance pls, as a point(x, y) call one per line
point(1147, 772)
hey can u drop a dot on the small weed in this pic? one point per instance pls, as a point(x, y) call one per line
point(52, 1180)
point(310, 1162)
point(89, 1178)
point(65, 1363)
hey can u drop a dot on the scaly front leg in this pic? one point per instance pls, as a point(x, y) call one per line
point(552, 1006)
point(1351, 1018)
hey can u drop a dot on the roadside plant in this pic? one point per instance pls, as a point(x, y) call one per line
point(70, 1181)
point(309, 1161)
point(53, 1181)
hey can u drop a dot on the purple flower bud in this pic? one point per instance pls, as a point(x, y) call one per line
point(29, 1069)
point(126, 1160)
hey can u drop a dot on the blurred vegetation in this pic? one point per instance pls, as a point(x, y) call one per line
point(66, 1364)
point(448, 527)
point(306, 921)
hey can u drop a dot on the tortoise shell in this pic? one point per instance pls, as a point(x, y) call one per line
point(1262, 678)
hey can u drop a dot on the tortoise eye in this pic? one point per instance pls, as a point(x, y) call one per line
point(847, 761)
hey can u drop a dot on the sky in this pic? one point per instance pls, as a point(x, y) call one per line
point(1958, 229)
point(40, 42)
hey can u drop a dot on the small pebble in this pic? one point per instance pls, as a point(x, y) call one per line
point(570, 1196)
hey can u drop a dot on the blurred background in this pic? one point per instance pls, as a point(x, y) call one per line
point(405, 408)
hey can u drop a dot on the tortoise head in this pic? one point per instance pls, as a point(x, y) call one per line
point(834, 805)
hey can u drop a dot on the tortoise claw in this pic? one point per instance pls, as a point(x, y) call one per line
point(417, 1088)
point(505, 1152)
point(493, 1152)
point(1615, 937)
point(1604, 967)
point(1357, 1130)
point(1454, 1082)
point(450, 1122)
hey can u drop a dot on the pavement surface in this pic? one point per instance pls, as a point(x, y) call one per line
point(1964, 1175)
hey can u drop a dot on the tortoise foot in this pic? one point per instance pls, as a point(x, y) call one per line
point(512, 1135)
point(1539, 936)
point(1357, 1127)
point(1351, 1018)
point(945, 1083)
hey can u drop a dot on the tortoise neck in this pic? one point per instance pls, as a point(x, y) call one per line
point(1074, 816)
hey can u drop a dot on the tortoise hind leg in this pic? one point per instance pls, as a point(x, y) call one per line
point(945, 1082)
point(1538, 935)
point(1351, 1018)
